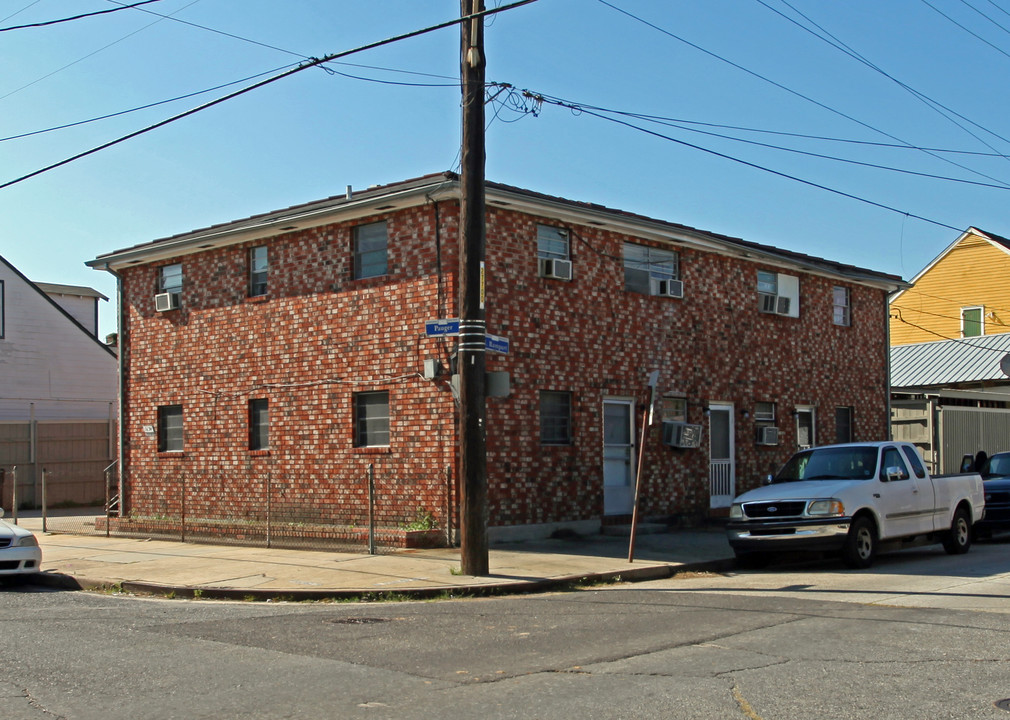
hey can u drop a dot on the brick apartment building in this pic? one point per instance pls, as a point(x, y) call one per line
point(268, 362)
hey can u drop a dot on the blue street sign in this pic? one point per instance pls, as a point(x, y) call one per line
point(496, 343)
point(440, 328)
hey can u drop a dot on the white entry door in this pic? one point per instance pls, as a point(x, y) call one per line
point(618, 457)
point(722, 466)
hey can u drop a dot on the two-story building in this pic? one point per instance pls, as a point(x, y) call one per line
point(269, 362)
point(949, 337)
point(58, 392)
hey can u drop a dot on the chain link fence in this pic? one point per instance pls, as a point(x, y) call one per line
point(372, 513)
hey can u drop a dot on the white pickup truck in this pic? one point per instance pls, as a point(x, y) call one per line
point(850, 498)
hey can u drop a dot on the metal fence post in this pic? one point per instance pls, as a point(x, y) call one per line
point(448, 505)
point(269, 515)
point(14, 494)
point(182, 529)
point(45, 508)
point(371, 509)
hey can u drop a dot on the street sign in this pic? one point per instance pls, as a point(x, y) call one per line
point(440, 328)
point(496, 343)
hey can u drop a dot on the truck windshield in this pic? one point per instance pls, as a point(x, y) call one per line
point(830, 463)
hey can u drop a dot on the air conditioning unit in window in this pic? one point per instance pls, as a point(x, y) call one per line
point(681, 435)
point(555, 268)
point(774, 304)
point(166, 301)
point(667, 288)
point(768, 435)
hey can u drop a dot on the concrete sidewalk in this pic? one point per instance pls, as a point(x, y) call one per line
point(256, 573)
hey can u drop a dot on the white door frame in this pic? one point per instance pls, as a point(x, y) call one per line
point(721, 470)
point(619, 463)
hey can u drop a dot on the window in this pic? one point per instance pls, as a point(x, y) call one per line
point(646, 267)
point(764, 411)
point(840, 300)
point(258, 270)
point(371, 419)
point(170, 428)
point(259, 424)
point(170, 278)
point(778, 294)
point(674, 408)
point(843, 424)
point(2, 311)
point(914, 461)
point(892, 459)
point(555, 418)
point(805, 428)
point(552, 243)
point(370, 250)
point(972, 324)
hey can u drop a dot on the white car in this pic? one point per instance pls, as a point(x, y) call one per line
point(20, 553)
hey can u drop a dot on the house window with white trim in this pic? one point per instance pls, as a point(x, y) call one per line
point(170, 278)
point(972, 322)
point(841, 310)
point(259, 268)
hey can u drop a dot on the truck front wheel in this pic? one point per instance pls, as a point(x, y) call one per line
point(957, 540)
point(861, 544)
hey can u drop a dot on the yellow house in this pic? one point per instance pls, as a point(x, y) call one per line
point(962, 293)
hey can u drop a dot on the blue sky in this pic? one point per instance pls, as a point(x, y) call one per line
point(707, 65)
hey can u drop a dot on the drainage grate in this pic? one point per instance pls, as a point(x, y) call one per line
point(358, 621)
point(1003, 704)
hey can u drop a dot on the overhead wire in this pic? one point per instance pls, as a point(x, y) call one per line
point(18, 12)
point(46, 23)
point(288, 73)
point(539, 99)
point(974, 34)
point(933, 104)
point(779, 85)
point(91, 54)
point(1001, 27)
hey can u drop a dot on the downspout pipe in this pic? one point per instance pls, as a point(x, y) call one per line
point(121, 331)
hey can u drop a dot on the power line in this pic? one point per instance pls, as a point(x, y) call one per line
point(929, 102)
point(301, 66)
point(779, 85)
point(975, 35)
point(81, 59)
point(796, 151)
point(76, 17)
point(574, 107)
point(18, 12)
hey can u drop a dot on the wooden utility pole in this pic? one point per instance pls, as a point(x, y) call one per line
point(472, 330)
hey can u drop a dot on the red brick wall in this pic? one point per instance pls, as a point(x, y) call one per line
point(321, 336)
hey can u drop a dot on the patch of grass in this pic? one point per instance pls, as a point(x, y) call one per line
point(423, 520)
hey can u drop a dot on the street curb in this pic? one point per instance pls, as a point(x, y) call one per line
point(519, 587)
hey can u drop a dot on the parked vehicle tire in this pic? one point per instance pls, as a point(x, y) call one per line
point(752, 560)
point(957, 540)
point(861, 544)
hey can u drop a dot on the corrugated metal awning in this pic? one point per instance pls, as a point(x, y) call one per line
point(949, 362)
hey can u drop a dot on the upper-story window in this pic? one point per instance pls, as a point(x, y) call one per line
point(843, 425)
point(259, 265)
point(553, 253)
point(841, 313)
point(170, 278)
point(370, 250)
point(972, 322)
point(778, 293)
point(2, 310)
point(652, 271)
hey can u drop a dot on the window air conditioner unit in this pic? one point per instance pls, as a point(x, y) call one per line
point(681, 435)
point(166, 301)
point(768, 435)
point(775, 304)
point(555, 268)
point(668, 288)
